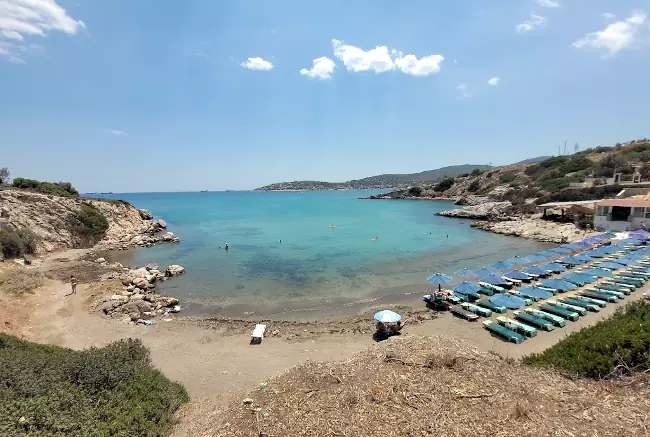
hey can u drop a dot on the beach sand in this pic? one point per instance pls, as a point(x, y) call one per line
point(212, 357)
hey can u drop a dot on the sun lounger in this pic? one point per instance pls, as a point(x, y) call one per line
point(598, 302)
point(562, 312)
point(555, 320)
point(600, 294)
point(258, 334)
point(504, 332)
point(483, 312)
point(516, 326)
point(576, 309)
point(489, 305)
point(534, 321)
point(579, 303)
point(460, 312)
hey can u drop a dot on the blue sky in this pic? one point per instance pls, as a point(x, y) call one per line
point(161, 95)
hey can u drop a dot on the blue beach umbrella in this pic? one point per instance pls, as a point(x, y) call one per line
point(600, 273)
point(610, 265)
point(518, 260)
point(572, 261)
point(579, 279)
point(508, 301)
point(583, 257)
point(572, 246)
point(536, 258)
point(465, 273)
point(482, 272)
point(494, 280)
point(547, 253)
point(387, 316)
point(561, 250)
point(466, 288)
point(554, 267)
point(596, 253)
point(535, 291)
point(625, 261)
point(439, 279)
point(501, 265)
point(518, 275)
point(558, 284)
point(536, 270)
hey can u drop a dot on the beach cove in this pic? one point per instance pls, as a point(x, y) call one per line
point(295, 254)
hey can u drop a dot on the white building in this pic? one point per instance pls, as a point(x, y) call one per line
point(619, 215)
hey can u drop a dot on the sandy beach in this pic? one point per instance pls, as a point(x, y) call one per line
point(212, 357)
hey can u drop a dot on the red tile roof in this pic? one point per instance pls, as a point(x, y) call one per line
point(638, 203)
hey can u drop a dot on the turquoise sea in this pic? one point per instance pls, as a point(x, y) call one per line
point(285, 256)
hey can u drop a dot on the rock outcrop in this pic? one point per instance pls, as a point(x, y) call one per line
point(536, 229)
point(47, 216)
point(481, 211)
point(138, 302)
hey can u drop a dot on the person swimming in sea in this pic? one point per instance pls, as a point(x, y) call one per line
point(226, 246)
point(220, 246)
point(375, 238)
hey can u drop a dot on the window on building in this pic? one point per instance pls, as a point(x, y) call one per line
point(621, 213)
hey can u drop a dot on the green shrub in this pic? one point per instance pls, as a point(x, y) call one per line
point(592, 193)
point(20, 280)
point(476, 172)
point(618, 344)
point(64, 189)
point(17, 243)
point(415, 191)
point(507, 177)
point(109, 391)
point(444, 184)
point(474, 186)
point(89, 225)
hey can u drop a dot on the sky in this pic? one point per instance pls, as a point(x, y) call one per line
point(162, 95)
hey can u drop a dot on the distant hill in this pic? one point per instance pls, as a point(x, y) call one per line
point(380, 181)
point(532, 160)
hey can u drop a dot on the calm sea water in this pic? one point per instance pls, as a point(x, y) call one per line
point(283, 250)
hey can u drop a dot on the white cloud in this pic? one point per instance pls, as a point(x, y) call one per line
point(609, 16)
point(528, 25)
point(548, 3)
point(463, 90)
point(322, 68)
point(25, 18)
point(615, 37)
point(119, 133)
point(424, 66)
point(356, 59)
point(494, 81)
point(257, 64)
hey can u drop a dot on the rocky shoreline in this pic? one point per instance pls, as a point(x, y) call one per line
point(138, 302)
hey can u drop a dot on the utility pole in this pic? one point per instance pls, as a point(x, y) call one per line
point(576, 148)
point(565, 147)
point(558, 150)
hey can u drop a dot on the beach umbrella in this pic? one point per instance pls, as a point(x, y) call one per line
point(596, 253)
point(494, 280)
point(554, 267)
point(572, 261)
point(536, 270)
point(600, 273)
point(561, 250)
point(482, 272)
point(466, 288)
point(547, 253)
point(466, 273)
point(583, 257)
point(387, 316)
point(535, 291)
point(625, 261)
point(572, 246)
point(536, 258)
point(610, 265)
point(508, 301)
point(579, 279)
point(439, 279)
point(518, 260)
point(558, 284)
point(518, 275)
point(501, 265)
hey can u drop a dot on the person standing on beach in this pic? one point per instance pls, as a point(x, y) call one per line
point(73, 284)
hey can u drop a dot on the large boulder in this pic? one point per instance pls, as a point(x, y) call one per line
point(141, 283)
point(482, 211)
point(174, 270)
point(144, 214)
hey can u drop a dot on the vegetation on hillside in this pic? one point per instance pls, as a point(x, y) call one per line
point(614, 346)
point(109, 391)
point(89, 225)
point(15, 281)
point(4, 175)
point(64, 189)
point(15, 243)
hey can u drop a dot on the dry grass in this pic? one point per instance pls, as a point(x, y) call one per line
point(433, 386)
point(20, 280)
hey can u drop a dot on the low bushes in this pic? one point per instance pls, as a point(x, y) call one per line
point(474, 186)
point(64, 189)
point(617, 345)
point(507, 177)
point(17, 243)
point(20, 281)
point(415, 191)
point(109, 391)
point(444, 184)
point(89, 225)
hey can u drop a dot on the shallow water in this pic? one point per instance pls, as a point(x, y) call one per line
point(283, 252)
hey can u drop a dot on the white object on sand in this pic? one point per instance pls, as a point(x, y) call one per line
point(258, 332)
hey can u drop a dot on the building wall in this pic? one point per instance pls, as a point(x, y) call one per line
point(602, 220)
